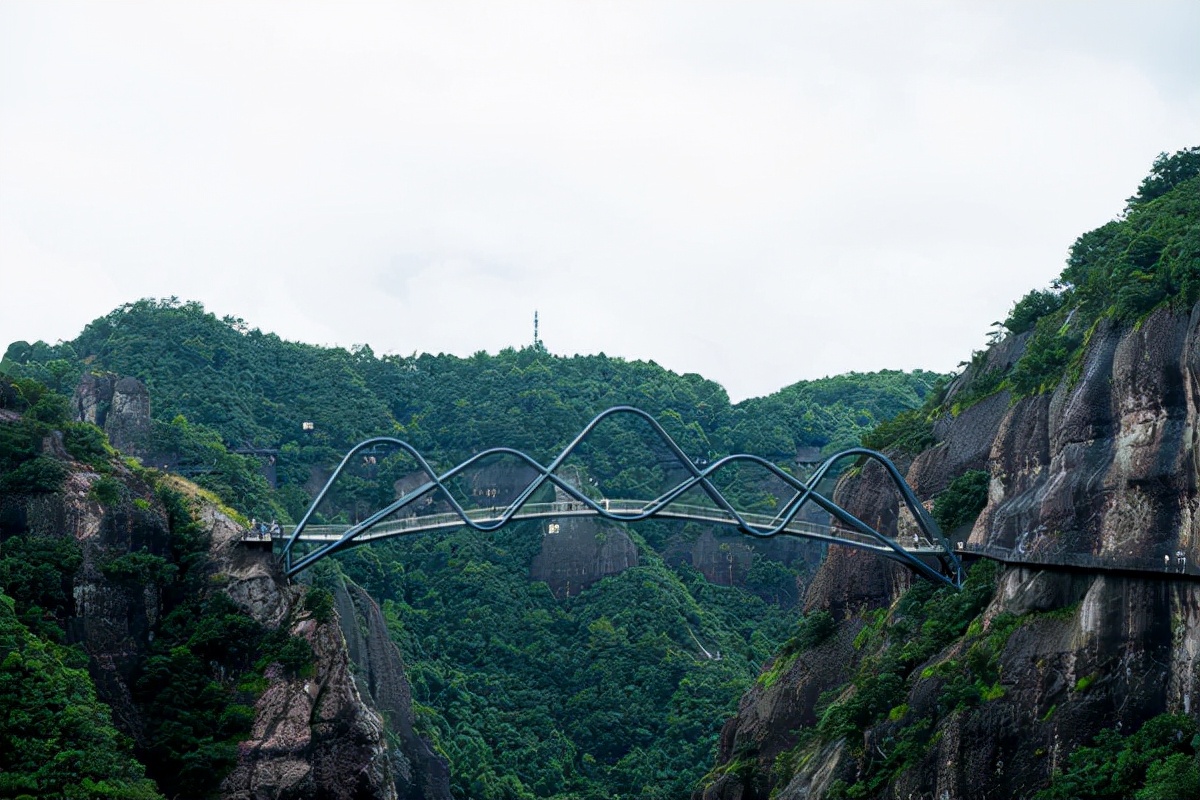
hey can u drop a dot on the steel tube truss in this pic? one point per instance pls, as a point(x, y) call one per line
point(848, 530)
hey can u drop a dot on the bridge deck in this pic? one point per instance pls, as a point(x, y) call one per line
point(630, 509)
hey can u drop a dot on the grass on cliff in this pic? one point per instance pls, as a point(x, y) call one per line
point(811, 630)
point(197, 495)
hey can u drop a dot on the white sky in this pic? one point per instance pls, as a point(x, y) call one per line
point(756, 192)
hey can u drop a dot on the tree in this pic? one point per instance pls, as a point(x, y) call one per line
point(1167, 172)
point(56, 738)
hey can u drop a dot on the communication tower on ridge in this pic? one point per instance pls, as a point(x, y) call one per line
point(537, 343)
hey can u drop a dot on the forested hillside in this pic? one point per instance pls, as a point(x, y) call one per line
point(617, 686)
point(615, 690)
point(213, 380)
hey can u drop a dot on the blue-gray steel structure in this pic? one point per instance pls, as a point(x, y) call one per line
point(949, 570)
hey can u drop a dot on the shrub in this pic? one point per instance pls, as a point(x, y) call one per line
point(36, 476)
point(1167, 172)
point(18, 443)
point(1044, 361)
point(982, 385)
point(139, 568)
point(1032, 307)
point(319, 603)
point(1157, 762)
point(907, 432)
point(38, 573)
point(87, 443)
point(812, 629)
point(52, 409)
point(106, 491)
point(963, 500)
point(294, 654)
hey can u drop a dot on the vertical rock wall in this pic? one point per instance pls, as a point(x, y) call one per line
point(1103, 470)
point(316, 736)
point(327, 735)
point(417, 772)
point(579, 552)
point(1100, 473)
point(120, 407)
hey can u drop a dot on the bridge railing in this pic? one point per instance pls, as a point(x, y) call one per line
point(631, 508)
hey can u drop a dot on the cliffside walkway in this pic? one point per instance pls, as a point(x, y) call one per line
point(930, 555)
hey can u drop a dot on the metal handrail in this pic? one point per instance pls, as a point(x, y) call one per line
point(430, 522)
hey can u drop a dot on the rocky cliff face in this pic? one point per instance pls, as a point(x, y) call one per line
point(1103, 470)
point(120, 406)
point(849, 579)
point(417, 772)
point(578, 551)
point(345, 731)
point(314, 736)
point(725, 557)
point(1100, 472)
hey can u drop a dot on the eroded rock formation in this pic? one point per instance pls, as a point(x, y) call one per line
point(1103, 470)
point(578, 551)
point(1091, 509)
point(314, 736)
point(320, 734)
point(120, 406)
point(418, 772)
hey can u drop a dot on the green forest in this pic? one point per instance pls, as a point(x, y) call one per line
point(618, 690)
point(217, 387)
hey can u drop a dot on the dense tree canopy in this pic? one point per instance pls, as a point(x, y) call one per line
point(217, 386)
point(56, 739)
point(616, 691)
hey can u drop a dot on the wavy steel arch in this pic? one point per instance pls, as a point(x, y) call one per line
point(951, 568)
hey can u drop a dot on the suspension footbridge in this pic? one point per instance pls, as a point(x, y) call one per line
point(925, 550)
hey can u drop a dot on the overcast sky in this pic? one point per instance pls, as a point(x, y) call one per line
point(756, 192)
